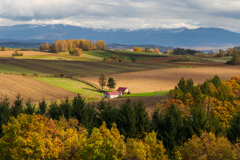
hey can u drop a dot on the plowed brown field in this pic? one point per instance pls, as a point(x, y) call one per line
point(25, 53)
point(11, 85)
point(166, 79)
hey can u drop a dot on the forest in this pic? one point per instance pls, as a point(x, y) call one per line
point(192, 122)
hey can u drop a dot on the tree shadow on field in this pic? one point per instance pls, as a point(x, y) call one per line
point(91, 89)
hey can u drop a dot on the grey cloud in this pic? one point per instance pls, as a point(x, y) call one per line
point(130, 14)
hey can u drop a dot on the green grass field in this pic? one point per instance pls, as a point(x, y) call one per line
point(72, 85)
point(5, 68)
point(147, 94)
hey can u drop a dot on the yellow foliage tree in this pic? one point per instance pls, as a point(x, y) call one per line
point(104, 144)
point(157, 51)
point(30, 137)
point(137, 49)
point(208, 147)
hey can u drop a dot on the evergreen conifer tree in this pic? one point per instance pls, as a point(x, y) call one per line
point(127, 120)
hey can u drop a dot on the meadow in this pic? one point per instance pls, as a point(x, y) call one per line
point(73, 86)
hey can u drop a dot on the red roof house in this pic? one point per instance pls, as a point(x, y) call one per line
point(111, 95)
point(122, 89)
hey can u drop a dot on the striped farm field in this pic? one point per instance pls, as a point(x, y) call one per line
point(166, 79)
point(36, 90)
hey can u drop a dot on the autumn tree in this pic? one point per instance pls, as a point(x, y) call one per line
point(229, 51)
point(45, 47)
point(104, 144)
point(102, 80)
point(100, 45)
point(30, 137)
point(207, 147)
point(3, 48)
point(137, 49)
point(78, 52)
point(157, 51)
point(221, 53)
point(147, 50)
point(111, 83)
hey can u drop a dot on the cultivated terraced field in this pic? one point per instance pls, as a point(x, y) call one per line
point(77, 68)
point(166, 79)
point(12, 85)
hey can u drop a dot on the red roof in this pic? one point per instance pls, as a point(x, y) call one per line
point(112, 93)
point(122, 89)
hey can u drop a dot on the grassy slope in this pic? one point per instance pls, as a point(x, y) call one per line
point(5, 68)
point(147, 94)
point(72, 85)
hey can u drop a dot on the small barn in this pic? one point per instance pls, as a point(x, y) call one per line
point(111, 95)
point(121, 90)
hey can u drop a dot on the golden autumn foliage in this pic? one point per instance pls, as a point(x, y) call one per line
point(137, 49)
point(72, 44)
point(148, 148)
point(208, 147)
point(163, 105)
point(30, 137)
point(104, 144)
point(37, 137)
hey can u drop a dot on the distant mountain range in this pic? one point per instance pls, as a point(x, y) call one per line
point(181, 37)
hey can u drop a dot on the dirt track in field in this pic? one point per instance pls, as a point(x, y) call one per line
point(166, 79)
point(25, 53)
point(11, 85)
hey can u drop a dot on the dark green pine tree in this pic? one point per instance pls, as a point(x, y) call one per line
point(171, 129)
point(189, 85)
point(216, 81)
point(142, 119)
point(233, 132)
point(30, 108)
point(199, 121)
point(66, 108)
point(78, 106)
point(126, 121)
point(89, 120)
point(17, 108)
point(54, 111)
point(42, 107)
point(106, 112)
point(205, 89)
point(4, 113)
point(111, 83)
point(182, 84)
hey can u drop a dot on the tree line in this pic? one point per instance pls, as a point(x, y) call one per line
point(193, 121)
point(73, 44)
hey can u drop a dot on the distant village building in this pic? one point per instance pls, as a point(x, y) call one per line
point(111, 95)
point(121, 90)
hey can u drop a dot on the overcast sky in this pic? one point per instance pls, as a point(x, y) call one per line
point(131, 14)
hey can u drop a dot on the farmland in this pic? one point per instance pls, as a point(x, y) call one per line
point(166, 79)
point(73, 86)
point(12, 85)
point(82, 69)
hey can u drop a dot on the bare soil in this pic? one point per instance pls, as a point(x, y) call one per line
point(36, 90)
point(166, 79)
point(25, 53)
